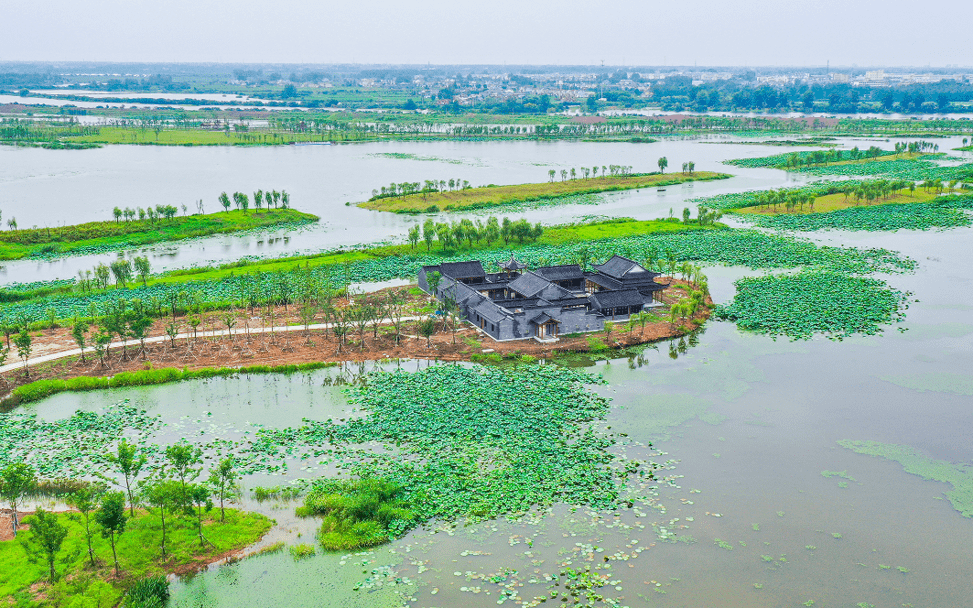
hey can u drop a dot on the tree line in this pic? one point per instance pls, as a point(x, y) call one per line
point(280, 200)
point(453, 234)
point(426, 187)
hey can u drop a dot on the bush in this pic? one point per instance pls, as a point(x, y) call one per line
point(358, 513)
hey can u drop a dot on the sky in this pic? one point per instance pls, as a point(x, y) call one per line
point(566, 32)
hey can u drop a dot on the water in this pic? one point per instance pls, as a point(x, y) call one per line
point(55, 187)
point(750, 424)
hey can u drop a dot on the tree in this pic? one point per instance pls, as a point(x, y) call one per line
point(139, 329)
point(24, 343)
point(166, 496)
point(79, 333)
point(16, 481)
point(142, 268)
point(111, 518)
point(184, 460)
point(102, 344)
point(122, 271)
point(663, 163)
point(129, 463)
point(285, 199)
point(258, 199)
point(198, 502)
point(46, 535)
point(223, 483)
point(85, 501)
point(414, 235)
point(426, 328)
point(551, 173)
point(225, 201)
point(429, 233)
point(117, 212)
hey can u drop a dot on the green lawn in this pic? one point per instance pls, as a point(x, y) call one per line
point(38, 242)
point(553, 235)
point(138, 555)
point(490, 196)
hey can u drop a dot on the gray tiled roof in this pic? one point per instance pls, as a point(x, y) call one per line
point(462, 270)
point(615, 299)
point(528, 284)
point(561, 273)
point(555, 292)
point(604, 280)
point(490, 311)
point(619, 266)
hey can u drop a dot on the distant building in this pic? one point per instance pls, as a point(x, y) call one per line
point(518, 304)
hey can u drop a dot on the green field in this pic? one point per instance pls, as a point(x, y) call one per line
point(491, 196)
point(138, 555)
point(98, 236)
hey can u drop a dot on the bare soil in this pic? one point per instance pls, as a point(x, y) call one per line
point(293, 347)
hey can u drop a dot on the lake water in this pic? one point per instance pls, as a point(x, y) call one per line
point(59, 187)
point(746, 423)
point(749, 425)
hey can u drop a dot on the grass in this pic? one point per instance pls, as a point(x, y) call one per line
point(358, 513)
point(553, 235)
point(40, 242)
point(490, 196)
point(138, 555)
point(41, 389)
point(838, 201)
point(194, 137)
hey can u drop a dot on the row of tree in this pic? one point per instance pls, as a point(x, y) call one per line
point(260, 198)
point(426, 187)
point(585, 172)
point(121, 270)
point(152, 215)
point(453, 234)
point(172, 491)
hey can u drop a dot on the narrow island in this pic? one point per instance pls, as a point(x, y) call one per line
point(134, 228)
point(456, 195)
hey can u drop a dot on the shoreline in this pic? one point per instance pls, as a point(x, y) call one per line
point(288, 345)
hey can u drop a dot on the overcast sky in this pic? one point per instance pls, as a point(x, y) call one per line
point(625, 32)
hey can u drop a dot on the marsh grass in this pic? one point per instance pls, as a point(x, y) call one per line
point(491, 196)
point(358, 513)
point(40, 242)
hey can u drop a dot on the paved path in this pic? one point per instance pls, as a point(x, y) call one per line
point(156, 339)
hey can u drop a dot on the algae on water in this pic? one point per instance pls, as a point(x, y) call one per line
point(960, 475)
point(940, 382)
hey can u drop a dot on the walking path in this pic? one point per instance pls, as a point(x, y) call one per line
point(185, 336)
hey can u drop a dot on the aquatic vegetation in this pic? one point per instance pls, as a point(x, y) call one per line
point(801, 305)
point(943, 213)
point(470, 442)
point(940, 382)
point(722, 544)
point(841, 474)
point(302, 551)
point(960, 476)
point(357, 513)
point(98, 237)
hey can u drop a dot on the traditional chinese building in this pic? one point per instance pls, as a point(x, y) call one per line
point(516, 303)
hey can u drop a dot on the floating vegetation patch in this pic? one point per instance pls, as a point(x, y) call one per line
point(801, 305)
point(960, 475)
point(69, 448)
point(411, 156)
point(656, 418)
point(939, 382)
point(472, 441)
point(946, 212)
